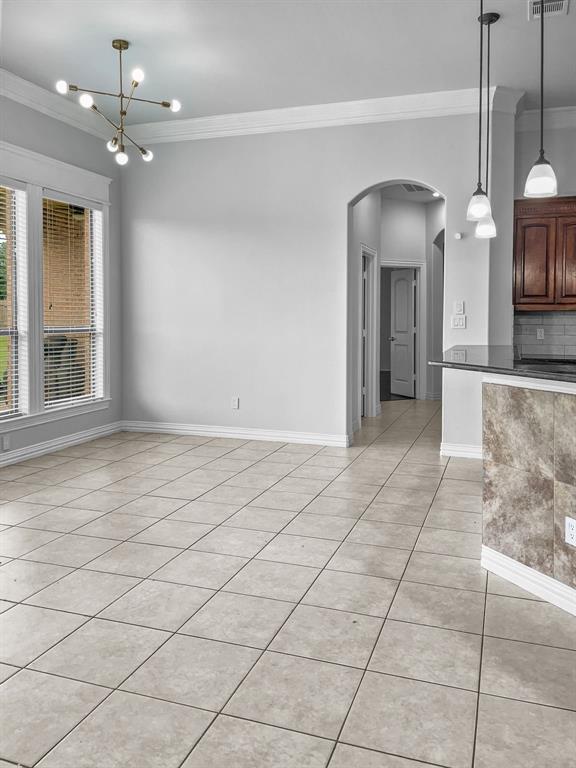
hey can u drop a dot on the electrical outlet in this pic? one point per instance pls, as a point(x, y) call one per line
point(5, 442)
point(458, 355)
point(458, 321)
point(540, 333)
point(570, 531)
point(235, 403)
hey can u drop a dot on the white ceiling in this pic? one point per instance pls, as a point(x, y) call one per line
point(222, 56)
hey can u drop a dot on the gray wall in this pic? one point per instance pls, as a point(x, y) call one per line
point(32, 130)
point(235, 268)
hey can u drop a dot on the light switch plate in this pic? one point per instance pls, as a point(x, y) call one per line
point(458, 307)
point(458, 321)
point(540, 333)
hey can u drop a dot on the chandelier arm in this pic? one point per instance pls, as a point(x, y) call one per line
point(151, 101)
point(130, 96)
point(141, 149)
point(94, 108)
point(75, 88)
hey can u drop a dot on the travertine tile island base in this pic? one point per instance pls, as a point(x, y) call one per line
point(529, 450)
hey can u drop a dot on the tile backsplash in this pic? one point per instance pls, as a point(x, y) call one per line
point(557, 328)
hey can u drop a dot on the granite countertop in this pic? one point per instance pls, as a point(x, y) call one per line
point(501, 359)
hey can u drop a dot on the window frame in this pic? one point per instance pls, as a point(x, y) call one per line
point(40, 176)
point(18, 299)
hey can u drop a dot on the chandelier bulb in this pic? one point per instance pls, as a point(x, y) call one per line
point(86, 100)
point(121, 157)
point(147, 155)
point(112, 145)
point(62, 87)
point(137, 75)
point(175, 105)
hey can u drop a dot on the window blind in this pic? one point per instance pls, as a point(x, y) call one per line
point(13, 352)
point(73, 303)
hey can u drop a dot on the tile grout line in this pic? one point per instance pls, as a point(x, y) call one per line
point(299, 602)
point(365, 671)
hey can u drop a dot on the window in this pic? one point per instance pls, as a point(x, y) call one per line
point(53, 267)
point(72, 301)
point(12, 300)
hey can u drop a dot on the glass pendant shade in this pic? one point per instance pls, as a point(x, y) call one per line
point(485, 228)
point(541, 181)
point(479, 206)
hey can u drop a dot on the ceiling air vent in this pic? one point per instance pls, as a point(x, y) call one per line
point(551, 8)
point(414, 188)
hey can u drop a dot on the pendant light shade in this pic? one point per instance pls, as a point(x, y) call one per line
point(485, 228)
point(541, 181)
point(479, 206)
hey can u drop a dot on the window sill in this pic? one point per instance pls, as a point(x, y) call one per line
point(54, 414)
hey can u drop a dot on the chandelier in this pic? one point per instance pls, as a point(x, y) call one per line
point(86, 100)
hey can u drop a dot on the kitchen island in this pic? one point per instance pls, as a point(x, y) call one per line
point(529, 454)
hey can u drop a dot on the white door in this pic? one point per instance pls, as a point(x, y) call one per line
point(402, 329)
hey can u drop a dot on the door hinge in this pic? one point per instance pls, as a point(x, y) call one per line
point(363, 390)
point(364, 333)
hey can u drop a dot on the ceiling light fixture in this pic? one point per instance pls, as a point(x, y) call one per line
point(541, 181)
point(86, 100)
point(486, 227)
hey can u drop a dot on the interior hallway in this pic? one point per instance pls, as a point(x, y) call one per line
point(179, 601)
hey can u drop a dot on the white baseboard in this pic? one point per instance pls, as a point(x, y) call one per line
point(432, 396)
point(527, 578)
point(38, 449)
point(242, 433)
point(461, 450)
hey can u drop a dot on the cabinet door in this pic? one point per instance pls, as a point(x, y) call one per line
point(566, 260)
point(535, 260)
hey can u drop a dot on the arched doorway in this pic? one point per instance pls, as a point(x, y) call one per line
point(393, 226)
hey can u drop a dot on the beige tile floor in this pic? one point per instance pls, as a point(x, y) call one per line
point(181, 602)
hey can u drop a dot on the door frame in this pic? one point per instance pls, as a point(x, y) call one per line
point(420, 342)
point(369, 362)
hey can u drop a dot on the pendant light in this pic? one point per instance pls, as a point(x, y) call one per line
point(541, 181)
point(479, 205)
point(486, 227)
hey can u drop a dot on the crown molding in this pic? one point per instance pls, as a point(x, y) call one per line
point(50, 104)
point(380, 110)
point(555, 118)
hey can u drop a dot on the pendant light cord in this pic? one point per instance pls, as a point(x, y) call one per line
point(487, 106)
point(541, 78)
point(480, 96)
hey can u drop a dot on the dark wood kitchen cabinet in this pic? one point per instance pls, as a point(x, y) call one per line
point(545, 254)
